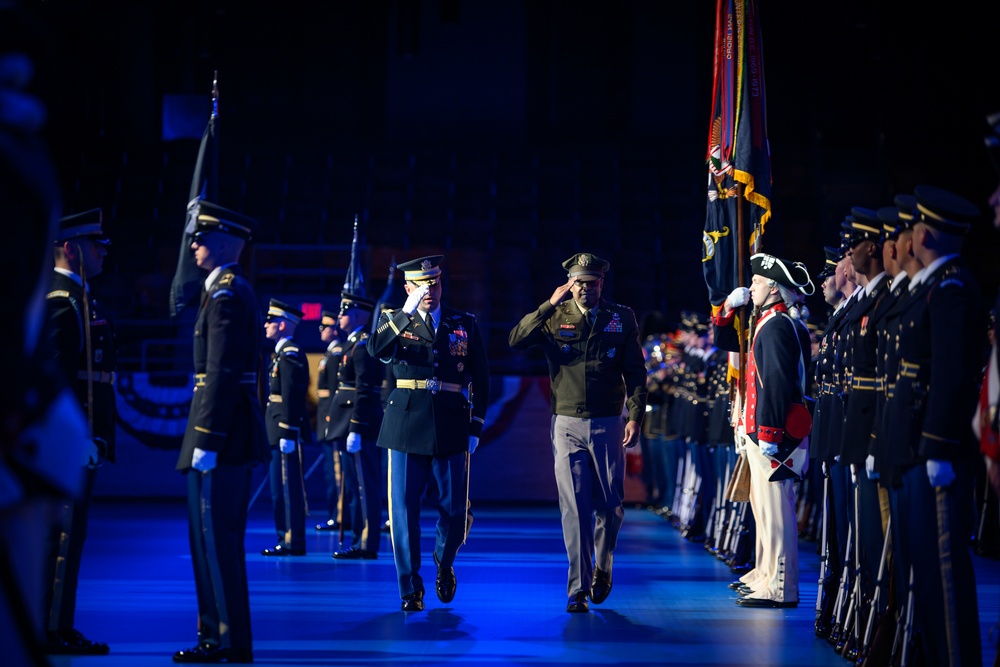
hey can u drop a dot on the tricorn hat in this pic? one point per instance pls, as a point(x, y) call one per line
point(792, 275)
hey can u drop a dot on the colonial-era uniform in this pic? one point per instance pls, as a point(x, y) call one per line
point(83, 348)
point(775, 381)
point(326, 387)
point(929, 419)
point(596, 371)
point(225, 418)
point(428, 422)
point(285, 416)
point(356, 407)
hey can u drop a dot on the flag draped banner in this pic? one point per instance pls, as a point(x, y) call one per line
point(188, 278)
point(738, 152)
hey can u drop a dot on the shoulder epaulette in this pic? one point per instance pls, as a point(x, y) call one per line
point(290, 351)
point(226, 280)
point(221, 292)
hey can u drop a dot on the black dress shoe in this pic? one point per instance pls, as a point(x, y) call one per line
point(355, 554)
point(330, 524)
point(282, 550)
point(445, 584)
point(744, 591)
point(578, 603)
point(204, 653)
point(414, 602)
point(600, 589)
point(766, 604)
point(736, 585)
point(72, 642)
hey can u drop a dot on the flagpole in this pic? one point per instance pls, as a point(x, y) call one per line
point(744, 332)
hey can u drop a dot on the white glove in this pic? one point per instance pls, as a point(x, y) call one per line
point(91, 455)
point(741, 438)
point(473, 443)
point(286, 446)
point(768, 448)
point(870, 467)
point(738, 297)
point(203, 460)
point(414, 299)
point(940, 473)
point(353, 443)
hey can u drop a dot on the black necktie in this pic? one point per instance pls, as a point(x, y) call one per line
point(430, 324)
point(591, 318)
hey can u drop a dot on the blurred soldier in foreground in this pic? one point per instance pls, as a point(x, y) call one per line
point(83, 347)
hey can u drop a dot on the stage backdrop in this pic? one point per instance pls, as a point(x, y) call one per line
point(512, 464)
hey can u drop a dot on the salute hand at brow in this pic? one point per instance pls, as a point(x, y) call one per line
point(562, 292)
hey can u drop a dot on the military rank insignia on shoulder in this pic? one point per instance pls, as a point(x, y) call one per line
point(58, 294)
point(292, 352)
point(951, 278)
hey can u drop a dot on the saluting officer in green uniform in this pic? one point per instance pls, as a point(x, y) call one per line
point(596, 370)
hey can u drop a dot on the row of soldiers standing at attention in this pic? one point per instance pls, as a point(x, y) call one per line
point(896, 376)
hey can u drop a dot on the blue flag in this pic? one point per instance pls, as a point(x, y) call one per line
point(738, 150)
point(188, 278)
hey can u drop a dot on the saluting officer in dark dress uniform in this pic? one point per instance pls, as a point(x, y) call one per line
point(356, 417)
point(225, 437)
point(285, 416)
point(932, 447)
point(429, 426)
point(596, 372)
point(326, 387)
point(82, 344)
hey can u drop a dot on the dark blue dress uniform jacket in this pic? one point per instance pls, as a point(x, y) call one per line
point(937, 385)
point(828, 415)
point(68, 345)
point(225, 412)
point(861, 357)
point(288, 383)
point(326, 387)
point(356, 407)
point(434, 423)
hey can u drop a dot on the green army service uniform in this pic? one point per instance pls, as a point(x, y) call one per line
point(596, 372)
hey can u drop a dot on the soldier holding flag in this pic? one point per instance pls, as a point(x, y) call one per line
point(773, 425)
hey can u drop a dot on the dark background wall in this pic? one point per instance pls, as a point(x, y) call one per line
point(506, 134)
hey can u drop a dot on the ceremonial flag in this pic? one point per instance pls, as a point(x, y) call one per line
point(188, 277)
point(738, 151)
point(354, 282)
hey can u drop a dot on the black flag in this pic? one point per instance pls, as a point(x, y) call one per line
point(204, 185)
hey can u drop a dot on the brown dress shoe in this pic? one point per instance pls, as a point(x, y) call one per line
point(578, 603)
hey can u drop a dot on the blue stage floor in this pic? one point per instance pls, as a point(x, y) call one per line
point(670, 604)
